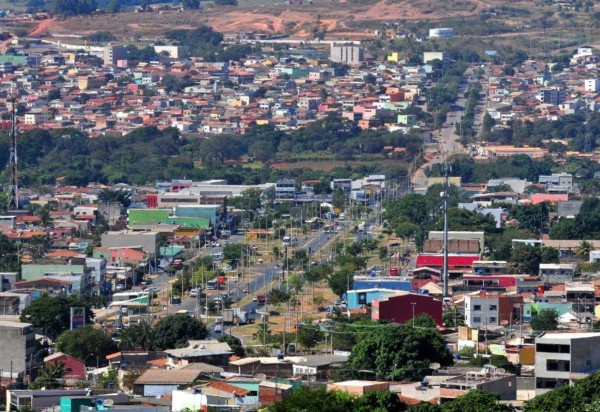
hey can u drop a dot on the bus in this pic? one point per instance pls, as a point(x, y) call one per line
point(123, 296)
point(290, 241)
point(185, 312)
point(212, 285)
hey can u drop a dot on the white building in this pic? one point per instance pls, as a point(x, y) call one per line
point(441, 32)
point(481, 311)
point(592, 85)
point(348, 53)
point(563, 358)
point(175, 52)
point(431, 56)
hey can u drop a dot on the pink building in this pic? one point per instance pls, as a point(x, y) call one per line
point(74, 366)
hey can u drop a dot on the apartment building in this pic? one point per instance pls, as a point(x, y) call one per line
point(488, 310)
point(563, 358)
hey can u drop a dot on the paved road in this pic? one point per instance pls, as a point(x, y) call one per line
point(446, 136)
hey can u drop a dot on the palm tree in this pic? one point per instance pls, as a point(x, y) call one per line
point(584, 249)
point(51, 375)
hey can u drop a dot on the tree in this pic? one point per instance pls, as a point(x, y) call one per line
point(385, 401)
point(176, 331)
point(525, 259)
point(235, 344)
point(584, 249)
point(51, 375)
point(546, 319)
point(114, 6)
point(309, 336)
point(550, 255)
point(87, 341)
point(306, 399)
point(138, 335)
point(191, 4)
point(340, 281)
point(339, 199)
point(399, 352)
point(453, 319)
point(476, 401)
point(422, 320)
point(232, 252)
point(53, 314)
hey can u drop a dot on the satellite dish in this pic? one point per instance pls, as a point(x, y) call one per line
point(435, 366)
point(260, 376)
point(107, 402)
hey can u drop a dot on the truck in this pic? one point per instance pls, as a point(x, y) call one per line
point(260, 299)
point(235, 316)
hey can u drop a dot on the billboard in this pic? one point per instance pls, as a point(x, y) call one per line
point(77, 318)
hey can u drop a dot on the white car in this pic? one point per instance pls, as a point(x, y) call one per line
point(218, 329)
point(193, 293)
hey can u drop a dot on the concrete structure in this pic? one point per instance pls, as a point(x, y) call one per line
point(489, 267)
point(146, 241)
point(211, 352)
point(359, 388)
point(441, 32)
point(174, 52)
point(563, 358)
point(402, 307)
point(488, 379)
point(8, 280)
point(285, 189)
point(551, 95)
point(488, 310)
point(358, 298)
point(112, 54)
point(557, 182)
point(591, 85)
point(20, 338)
point(428, 57)
point(348, 53)
point(562, 271)
point(459, 235)
point(569, 209)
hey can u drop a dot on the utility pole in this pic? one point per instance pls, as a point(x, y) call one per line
point(13, 195)
point(445, 195)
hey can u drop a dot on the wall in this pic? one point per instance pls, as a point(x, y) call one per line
point(399, 309)
point(21, 345)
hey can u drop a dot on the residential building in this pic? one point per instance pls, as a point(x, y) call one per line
point(74, 367)
point(174, 52)
point(551, 95)
point(557, 272)
point(489, 267)
point(557, 182)
point(564, 358)
point(8, 280)
point(428, 57)
point(488, 310)
point(488, 379)
point(359, 388)
point(348, 53)
point(591, 85)
point(20, 338)
point(146, 241)
point(285, 189)
point(112, 54)
point(158, 382)
point(212, 352)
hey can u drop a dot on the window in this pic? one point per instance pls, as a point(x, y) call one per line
point(493, 308)
point(553, 348)
point(492, 319)
point(476, 307)
point(476, 319)
point(362, 298)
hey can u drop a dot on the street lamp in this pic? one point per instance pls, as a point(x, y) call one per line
point(413, 304)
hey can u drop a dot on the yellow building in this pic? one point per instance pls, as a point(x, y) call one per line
point(393, 57)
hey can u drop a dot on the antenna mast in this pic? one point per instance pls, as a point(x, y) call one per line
point(13, 195)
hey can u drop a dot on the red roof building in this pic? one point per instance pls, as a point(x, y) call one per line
point(456, 263)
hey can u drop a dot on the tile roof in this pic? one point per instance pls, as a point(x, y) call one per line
point(173, 377)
